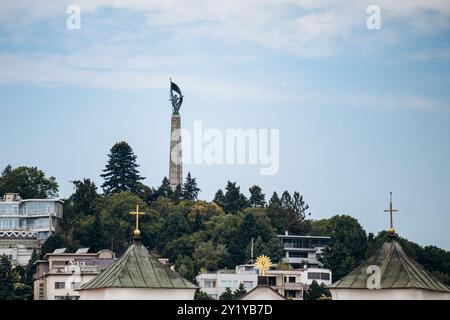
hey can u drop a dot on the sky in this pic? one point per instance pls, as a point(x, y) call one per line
point(360, 112)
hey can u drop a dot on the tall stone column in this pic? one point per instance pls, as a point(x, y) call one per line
point(175, 166)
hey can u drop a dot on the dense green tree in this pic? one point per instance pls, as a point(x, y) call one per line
point(275, 200)
point(234, 200)
point(177, 194)
point(289, 213)
point(55, 241)
point(227, 295)
point(201, 295)
point(6, 279)
point(23, 291)
point(190, 188)
point(219, 198)
point(210, 257)
point(30, 270)
point(84, 196)
point(117, 222)
point(28, 182)
point(96, 242)
point(239, 292)
point(347, 247)
point(165, 190)
point(121, 173)
point(257, 198)
point(316, 291)
point(174, 226)
point(185, 266)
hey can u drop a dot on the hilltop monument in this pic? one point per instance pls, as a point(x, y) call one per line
point(175, 165)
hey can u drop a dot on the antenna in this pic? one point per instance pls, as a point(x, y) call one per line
point(251, 252)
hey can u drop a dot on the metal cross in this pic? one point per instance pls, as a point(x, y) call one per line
point(391, 211)
point(137, 213)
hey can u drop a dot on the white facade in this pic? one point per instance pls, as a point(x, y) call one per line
point(25, 224)
point(137, 294)
point(290, 284)
point(300, 250)
point(215, 283)
point(60, 275)
point(388, 294)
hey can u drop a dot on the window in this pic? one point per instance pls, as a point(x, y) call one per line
point(60, 285)
point(41, 291)
point(298, 254)
point(272, 281)
point(290, 294)
point(314, 275)
point(75, 285)
point(325, 276)
point(291, 280)
point(67, 297)
point(209, 283)
point(248, 285)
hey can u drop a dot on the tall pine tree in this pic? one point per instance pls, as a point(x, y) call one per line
point(257, 198)
point(190, 188)
point(121, 172)
point(6, 279)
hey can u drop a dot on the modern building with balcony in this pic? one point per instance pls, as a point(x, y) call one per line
point(301, 250)
point(25, 224)
point(60, 274)
point(290, 283)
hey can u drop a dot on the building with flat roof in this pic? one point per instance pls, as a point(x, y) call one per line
point(60, 274)
point(25, 224)
point(300, 250)
point(290, 283)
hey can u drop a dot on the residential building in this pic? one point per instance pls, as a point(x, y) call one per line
point(290, 283)
point(215, 283)
point(301, 250)
point(60, 274)
point(25, 224)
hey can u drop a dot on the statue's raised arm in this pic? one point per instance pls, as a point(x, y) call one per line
point(174, 98)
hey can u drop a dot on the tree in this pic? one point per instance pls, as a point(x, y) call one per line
point(347, 247)
point(30, 270)
point(257, 198)
point(165, 190)
point(239, 292)
point(209, 256)
point(315, 291)
point(234, 200)
point(227, 295)
point(177, 194)
point(190, 188)
point(201, 295)
point(185, 266)
point(96, 235)
point(121, 172)
point(219, 198)
point(84, 196)
point(288, 213)
point(6, 279)
point(55, 241)
point(28, 182)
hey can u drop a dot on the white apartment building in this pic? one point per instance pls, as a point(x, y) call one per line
point(301, 250)
point(61, 274)
point(290, 283)
point(25, 224)
point(215, 283)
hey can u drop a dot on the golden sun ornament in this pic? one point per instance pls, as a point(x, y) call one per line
point(263, 263)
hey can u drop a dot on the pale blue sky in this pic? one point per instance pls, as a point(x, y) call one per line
point(360, 112)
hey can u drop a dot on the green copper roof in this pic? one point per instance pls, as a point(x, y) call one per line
point(398, 271)
point(138, 269)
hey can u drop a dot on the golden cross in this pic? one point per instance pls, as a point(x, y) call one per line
point(137, 213)
point(391, 211)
